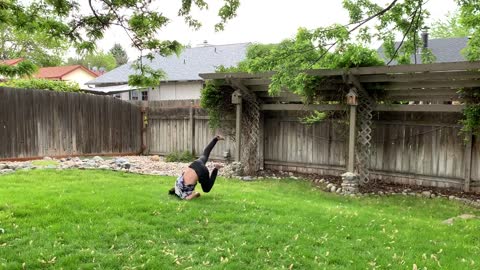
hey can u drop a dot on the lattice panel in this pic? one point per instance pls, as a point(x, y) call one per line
point(250, 132)
point(364, 137)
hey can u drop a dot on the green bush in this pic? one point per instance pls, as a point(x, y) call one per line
point(184, 156)
point(42, 84)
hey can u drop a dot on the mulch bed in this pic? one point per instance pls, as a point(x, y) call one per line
point(377, 186)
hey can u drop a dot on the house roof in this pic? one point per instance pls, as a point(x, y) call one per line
point(11, 62)
point(59, 72)
point(184, 67)
point(444, 49)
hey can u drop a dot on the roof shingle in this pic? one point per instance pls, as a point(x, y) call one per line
point(59, 72)
point(445, 50)
point(11, 62)
point(184, 67)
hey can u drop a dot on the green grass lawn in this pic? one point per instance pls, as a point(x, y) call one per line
point(110, 220)
point(44, 163)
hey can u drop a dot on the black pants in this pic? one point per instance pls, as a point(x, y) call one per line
point(208, 184)
point(206, 152)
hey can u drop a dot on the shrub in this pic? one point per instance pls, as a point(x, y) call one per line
point(42, 84)
point(176, 156)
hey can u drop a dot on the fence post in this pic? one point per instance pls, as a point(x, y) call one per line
point(468, 162)
point(143, 133)
point(192, 129)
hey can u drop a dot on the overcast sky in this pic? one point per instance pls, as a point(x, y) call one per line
point(263, 21)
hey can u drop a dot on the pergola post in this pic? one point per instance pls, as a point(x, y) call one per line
point(237, 99)
point(352, 102)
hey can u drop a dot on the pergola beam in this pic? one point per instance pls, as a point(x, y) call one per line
point(379, 107)
point(379, 70)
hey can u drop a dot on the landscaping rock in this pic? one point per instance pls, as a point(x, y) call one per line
point(339, 190)
point(6, 171)
point(47, 158)
point(104, 167)
point(3, 166)
point(333, 189)
point(155, 158)
point(97, 159)
point(467, 216)
point(451, 197)
point(448, 221)
point(90, 163)
point(426, 194)
point(247, 178)
point(350, 183)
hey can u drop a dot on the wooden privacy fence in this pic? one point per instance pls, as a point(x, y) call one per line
point(182, 127)
point(36, 123)
point(418, 148)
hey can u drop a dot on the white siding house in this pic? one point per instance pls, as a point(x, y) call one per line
point(182, 80)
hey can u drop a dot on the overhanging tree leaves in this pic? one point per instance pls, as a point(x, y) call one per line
point(99, 60)
point(451, 27)
point(140, 19)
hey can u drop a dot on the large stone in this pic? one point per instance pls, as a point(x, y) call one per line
point(47, 158)
point(350, 183)
point(90, 163)
point(426, 194)
point(120, 161)
point(467, 216)
point(448, 221)
point(333, 189)
point(3, 166)
point(6, 171)
point(104, 167)
point(155, 158)
point(97, 158)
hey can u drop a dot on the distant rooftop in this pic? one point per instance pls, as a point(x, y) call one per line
point(444, 49)
point(11, 62)
point(185, 67)
point(59, 72)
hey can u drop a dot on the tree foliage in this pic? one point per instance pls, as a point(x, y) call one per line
point(98, 60)
point(451, 27)
point(470, 19)
point(140, 19)
point(119, 53)
point(42, 51)
point(25, 67)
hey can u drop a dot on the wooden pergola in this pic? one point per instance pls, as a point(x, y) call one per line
point(428, 88)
